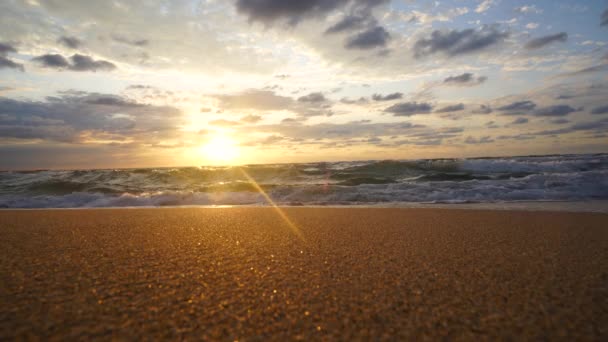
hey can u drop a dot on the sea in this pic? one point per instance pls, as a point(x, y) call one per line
point(533, 180)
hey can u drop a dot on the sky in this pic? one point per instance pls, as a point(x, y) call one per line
point(115, 84)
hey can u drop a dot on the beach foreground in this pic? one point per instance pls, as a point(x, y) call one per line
point(342, 273)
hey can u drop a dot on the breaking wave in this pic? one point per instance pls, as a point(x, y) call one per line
point(533, 178)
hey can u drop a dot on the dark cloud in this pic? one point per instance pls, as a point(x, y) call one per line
point(348, 23)
point(600, 110)
point(269, 11)
point(546, 40)
point(361, 100)
point(482, 109)
point(520, 121)
point(560, 121)
point(388, 97)
point(52, 61)
point(452, 108)
point(86, 63)
point(6, 48)
point(600, 126)
point(519, 107)
point(409, 108)
point(557, 110)
point(133, 42)
point(293, 11)
point(76, 63)
point(604, 18)
point(467, 79)
point(72, 116)
point(313, 98)
point(71, 42)
point(455, 42)
point(481, 140)
point(9, 64)
point(5, 62)
point(369, 39)
point(111, 100)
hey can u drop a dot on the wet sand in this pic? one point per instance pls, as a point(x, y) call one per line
point(355, 273)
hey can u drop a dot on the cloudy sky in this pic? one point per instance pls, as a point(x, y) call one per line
point(87, 84)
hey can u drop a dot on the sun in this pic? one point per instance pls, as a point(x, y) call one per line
point(220, 149)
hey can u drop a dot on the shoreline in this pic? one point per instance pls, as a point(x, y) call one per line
point(592, 206)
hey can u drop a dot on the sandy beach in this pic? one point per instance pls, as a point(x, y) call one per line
point(334, 273)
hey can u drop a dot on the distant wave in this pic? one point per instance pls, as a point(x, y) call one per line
point(534, 178)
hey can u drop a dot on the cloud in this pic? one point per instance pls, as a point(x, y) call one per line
point(476, 141)
point(465, 80)
point(369, 39)
point(482, 109)
point(362, 129)
point(86, 63)
point(76, 63)
point(251, 118)
point(520, 121)
point(409, 108)
point(269, 11)
point(604, 18)
point(5, 62)
point(527, 9)
point(560, 121)
point(599, 126)
point(588, 70)
point(80, 116)
point(71, 42)
point(293, 11)
point(557, 110)
point(600, 110)
point(449, 109)
point(455, 42)
point(313, 98)
point(518, 107)
point(388, 97)
point(6, 49)
point(546, 40)
point(349, 23)
point(313, 104)
point(484, 6)
point(9, 64)
point(133, 42)
point(52, 61)
point(358, 16)
point(111, 100)
point(532, 26)
point(361, 100)
point(255, 99)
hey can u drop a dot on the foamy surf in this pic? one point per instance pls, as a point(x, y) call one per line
point(481, 180)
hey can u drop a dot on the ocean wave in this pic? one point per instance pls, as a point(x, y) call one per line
point(546, 178)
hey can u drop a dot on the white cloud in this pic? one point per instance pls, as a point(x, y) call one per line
point(532, 26)
point(528, 9)
point(484, 6)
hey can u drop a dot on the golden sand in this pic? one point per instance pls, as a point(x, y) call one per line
point(244, 274)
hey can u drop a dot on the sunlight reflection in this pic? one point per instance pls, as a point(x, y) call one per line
point(281, 213)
